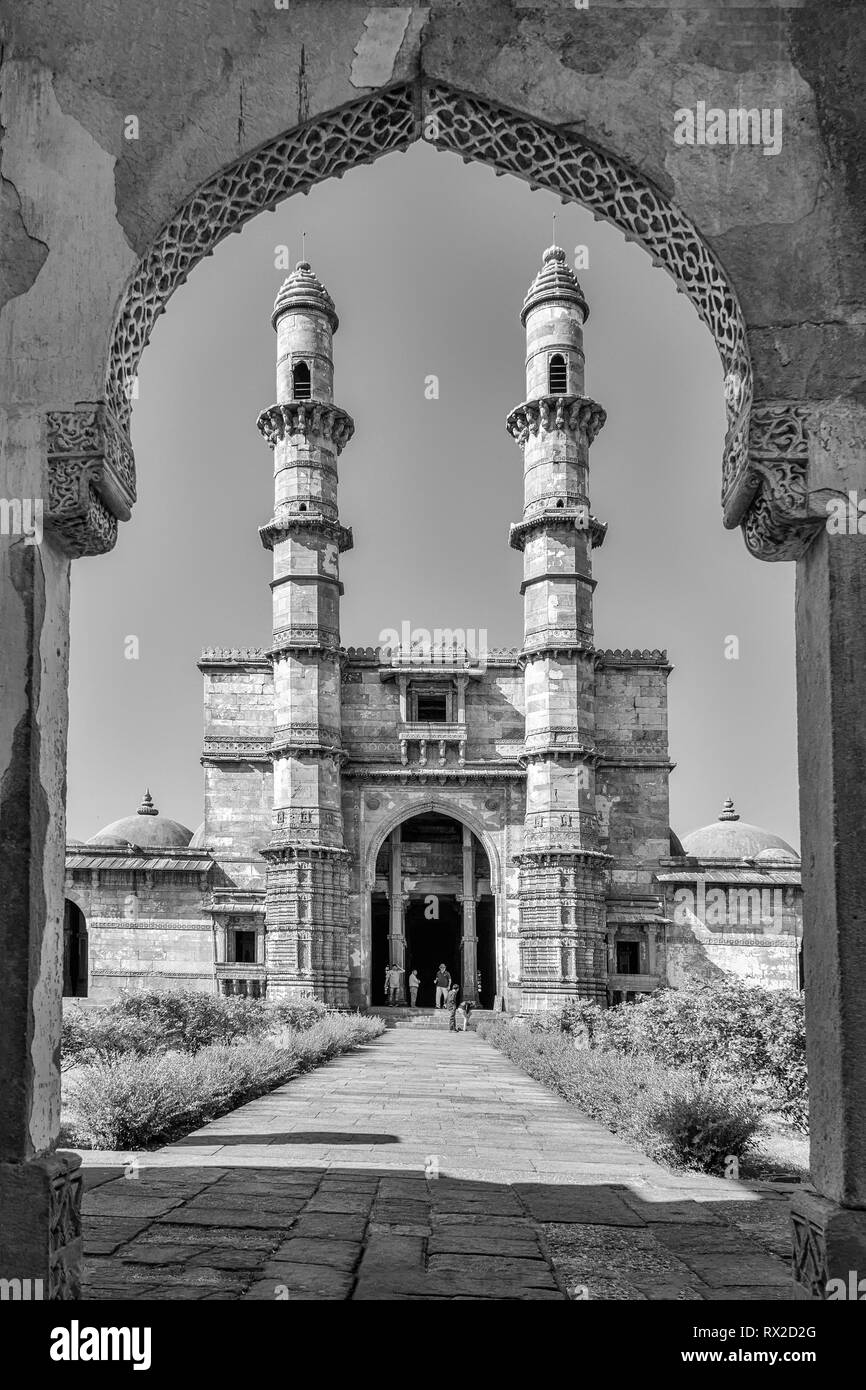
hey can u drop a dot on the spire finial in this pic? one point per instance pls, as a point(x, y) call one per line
point(147, 807)
point(303, 246)
point(728, 812)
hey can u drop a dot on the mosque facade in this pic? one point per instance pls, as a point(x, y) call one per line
point(427, 801)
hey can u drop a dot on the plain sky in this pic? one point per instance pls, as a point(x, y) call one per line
point(428, 261)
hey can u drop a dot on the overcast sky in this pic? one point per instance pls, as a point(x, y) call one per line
point(428, 261)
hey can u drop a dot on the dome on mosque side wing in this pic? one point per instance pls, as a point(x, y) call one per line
point(304, 290)
point(732, 838)
point(147, 829)
point(198, 840)
point(555, 283)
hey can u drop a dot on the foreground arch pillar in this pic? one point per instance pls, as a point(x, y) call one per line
point(810, 462)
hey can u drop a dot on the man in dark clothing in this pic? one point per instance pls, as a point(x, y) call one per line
point(451, 1006)
point(443, 984)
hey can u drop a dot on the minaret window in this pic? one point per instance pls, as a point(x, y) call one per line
point(301, 384)
point(557, 375)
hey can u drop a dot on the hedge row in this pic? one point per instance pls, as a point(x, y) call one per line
point(139, 1099)
point(673, 1115)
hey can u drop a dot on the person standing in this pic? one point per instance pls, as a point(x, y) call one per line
point(414, 986)
point(451, 1006)
point(394, 991)
point(443, 984)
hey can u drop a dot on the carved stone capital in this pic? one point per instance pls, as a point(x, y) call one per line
point(91, 478)
point(779, 524)
point(306, 420)
point(576, 414)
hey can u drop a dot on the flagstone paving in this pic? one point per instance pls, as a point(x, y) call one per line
point(424, 1166)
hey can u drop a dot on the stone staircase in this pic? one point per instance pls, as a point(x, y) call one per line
point(404, 1017)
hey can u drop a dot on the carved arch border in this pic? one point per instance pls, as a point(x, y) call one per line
point(443, 807)
point(543, 155)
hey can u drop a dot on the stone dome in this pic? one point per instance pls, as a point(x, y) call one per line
point(304, 290)
point(556, 283)
point(147, 829)
point(198, 840)
point(732, 838)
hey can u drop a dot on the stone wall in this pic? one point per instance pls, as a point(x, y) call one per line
point(145, 930)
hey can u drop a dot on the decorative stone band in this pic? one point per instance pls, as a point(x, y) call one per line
point(556, 641)
point(236, 750)
point(306, 420)
point(779, 524)
point(576, 414)
point(150, 924)
point(564, 859)
point(617, 658)
point(562, 832)
point(91, 478)
point(557, 575)
point(316, 523)
point(306, 735)
point(553, 517)
point(234, 656)
point(287, 749)
point(305, 638)
point(378, 772)
point(305, 850)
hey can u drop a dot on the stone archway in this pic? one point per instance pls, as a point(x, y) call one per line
point(67, 433)
point(765, 451)
point(480, 946)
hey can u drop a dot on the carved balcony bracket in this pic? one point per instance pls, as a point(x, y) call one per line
point(91, 478)
point(780, 524)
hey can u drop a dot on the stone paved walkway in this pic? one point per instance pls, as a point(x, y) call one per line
point(426, 1165)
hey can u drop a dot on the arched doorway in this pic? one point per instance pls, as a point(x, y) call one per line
point(432, 904)
point(75, 969)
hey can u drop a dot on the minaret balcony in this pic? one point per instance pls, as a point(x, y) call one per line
point(309, 523)
point(579, 517)
point(433, 739)
point(305, 420)
point(575, 414)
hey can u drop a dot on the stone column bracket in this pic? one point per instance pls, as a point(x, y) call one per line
point(91, 478)
point(780, 523)
point(40, 1218)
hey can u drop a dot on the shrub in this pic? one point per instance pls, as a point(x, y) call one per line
point(632, 1096)
point(299, 1014)
point(138, 1100)
point(729, 1029)
point(707, 1123)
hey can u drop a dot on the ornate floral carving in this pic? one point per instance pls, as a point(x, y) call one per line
point(809, 1254)
point(64, 1228)
point(91, 478)
point(778, 524)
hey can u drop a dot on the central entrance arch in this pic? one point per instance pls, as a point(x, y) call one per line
point(432, 903)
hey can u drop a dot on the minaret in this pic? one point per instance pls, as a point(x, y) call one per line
point(306, 915)
point(563, 876)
